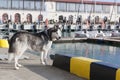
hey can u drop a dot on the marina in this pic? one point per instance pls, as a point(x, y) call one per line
point(85, 17)
point(98, 50)
point(90, 32)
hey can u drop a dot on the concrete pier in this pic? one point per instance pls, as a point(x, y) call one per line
point(33, 70)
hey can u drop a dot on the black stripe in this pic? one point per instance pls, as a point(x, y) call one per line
point(62, 62)
point(102, 71)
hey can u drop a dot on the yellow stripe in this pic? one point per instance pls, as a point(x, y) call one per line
point(81, 66)
point(4, 43)
point(118, 74)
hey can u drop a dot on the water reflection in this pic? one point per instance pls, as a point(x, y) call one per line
point(101, 52)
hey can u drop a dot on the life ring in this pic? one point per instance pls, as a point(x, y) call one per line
point(4, 43)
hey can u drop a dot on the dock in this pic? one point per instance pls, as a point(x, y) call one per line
point(33, 70)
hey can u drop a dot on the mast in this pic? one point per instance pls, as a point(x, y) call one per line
point(89, 26)
point(94, 11)
point(43, 2)
point(77, 20)
point(116, 12)
point(81, 2)
point(79, 6)
point(78, 10)
point(91, 10)
point(112, 9)
point(40, 7)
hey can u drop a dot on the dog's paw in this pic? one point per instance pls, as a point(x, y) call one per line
point(46, 63)
point(16, 68)
point(19, 65)
point(43, 63)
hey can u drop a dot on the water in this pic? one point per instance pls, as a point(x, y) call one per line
point(105, 53)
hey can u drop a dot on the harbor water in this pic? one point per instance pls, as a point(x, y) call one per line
point(106, 53)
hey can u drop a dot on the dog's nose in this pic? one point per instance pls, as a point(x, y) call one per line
point(59, 37)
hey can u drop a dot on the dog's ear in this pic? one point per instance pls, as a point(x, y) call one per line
point(55, 28)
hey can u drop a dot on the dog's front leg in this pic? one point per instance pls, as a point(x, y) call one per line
point(42, 58)
point(45, 56)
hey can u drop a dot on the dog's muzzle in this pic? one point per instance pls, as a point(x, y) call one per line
point(58, 38)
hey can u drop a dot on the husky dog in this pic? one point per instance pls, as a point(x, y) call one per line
point(40, 42)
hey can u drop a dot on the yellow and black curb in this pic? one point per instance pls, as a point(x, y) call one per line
point(90, 69)
point(4, 43)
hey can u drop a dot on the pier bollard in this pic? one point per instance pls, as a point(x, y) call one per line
point(4, 43)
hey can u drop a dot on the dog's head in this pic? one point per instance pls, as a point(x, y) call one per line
point(54, 33)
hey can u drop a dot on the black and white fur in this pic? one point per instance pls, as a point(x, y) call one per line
point(40, 42)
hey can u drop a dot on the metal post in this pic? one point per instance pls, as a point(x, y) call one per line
point(23, 4)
